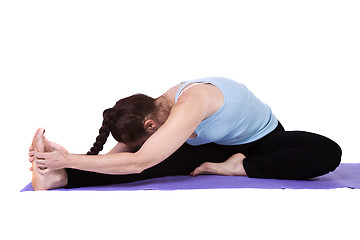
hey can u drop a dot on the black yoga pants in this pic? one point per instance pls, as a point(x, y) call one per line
point(280, 154)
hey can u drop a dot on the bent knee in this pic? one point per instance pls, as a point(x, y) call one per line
point(333, 154)
point(336, 157)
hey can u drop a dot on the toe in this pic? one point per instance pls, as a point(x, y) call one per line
point(204, 168)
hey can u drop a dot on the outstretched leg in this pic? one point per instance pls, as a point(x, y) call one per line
point(44, 180)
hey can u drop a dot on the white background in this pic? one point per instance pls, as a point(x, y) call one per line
point(63, 62)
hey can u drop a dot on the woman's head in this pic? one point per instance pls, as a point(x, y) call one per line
point(131, 121)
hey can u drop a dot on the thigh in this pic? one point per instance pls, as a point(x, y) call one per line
point(310, 142)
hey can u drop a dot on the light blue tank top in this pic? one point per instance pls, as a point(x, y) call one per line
point(243, 118)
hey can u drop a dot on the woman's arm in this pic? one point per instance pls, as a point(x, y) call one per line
point(113, 163)
point(184, 118)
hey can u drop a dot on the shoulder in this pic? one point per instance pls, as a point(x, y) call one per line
point(198, 97)
point(205, 99)
point(198, 93)
point(171, 93)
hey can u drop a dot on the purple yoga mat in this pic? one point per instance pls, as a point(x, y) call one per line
point(346, 175)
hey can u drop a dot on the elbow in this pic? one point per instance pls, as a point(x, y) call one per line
point(140, 167)
point(143, 163)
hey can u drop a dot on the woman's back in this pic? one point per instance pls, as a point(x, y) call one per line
point(236, 115)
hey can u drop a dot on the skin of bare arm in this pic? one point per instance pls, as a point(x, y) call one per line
point(42, 180)
point(165, 141)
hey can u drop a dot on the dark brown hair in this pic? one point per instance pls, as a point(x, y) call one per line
point(125, 121)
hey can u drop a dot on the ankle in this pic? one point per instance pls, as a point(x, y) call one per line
point(237, 164)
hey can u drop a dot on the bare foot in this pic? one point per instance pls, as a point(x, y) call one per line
point(231, 167)
point(44, 179)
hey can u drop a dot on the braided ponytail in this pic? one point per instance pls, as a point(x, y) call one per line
point(125, 121)
point(104, 132)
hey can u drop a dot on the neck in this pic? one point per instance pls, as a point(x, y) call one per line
point(164, 106)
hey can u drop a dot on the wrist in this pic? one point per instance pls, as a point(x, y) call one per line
point(69, 161)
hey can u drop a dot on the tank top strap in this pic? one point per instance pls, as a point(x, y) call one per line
point(185, 87)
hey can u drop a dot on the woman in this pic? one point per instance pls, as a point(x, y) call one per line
point(206, 126)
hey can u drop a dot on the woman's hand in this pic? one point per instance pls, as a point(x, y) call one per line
point(57, 159)
point(31, 156)
point(46, 144)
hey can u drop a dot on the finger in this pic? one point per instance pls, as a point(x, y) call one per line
point(31, 168)
point(31, 153)
point(31, 148)
point(40, 155)
point(39, 166)
point(31, 159)
point(40, 163)
point(43, 171)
